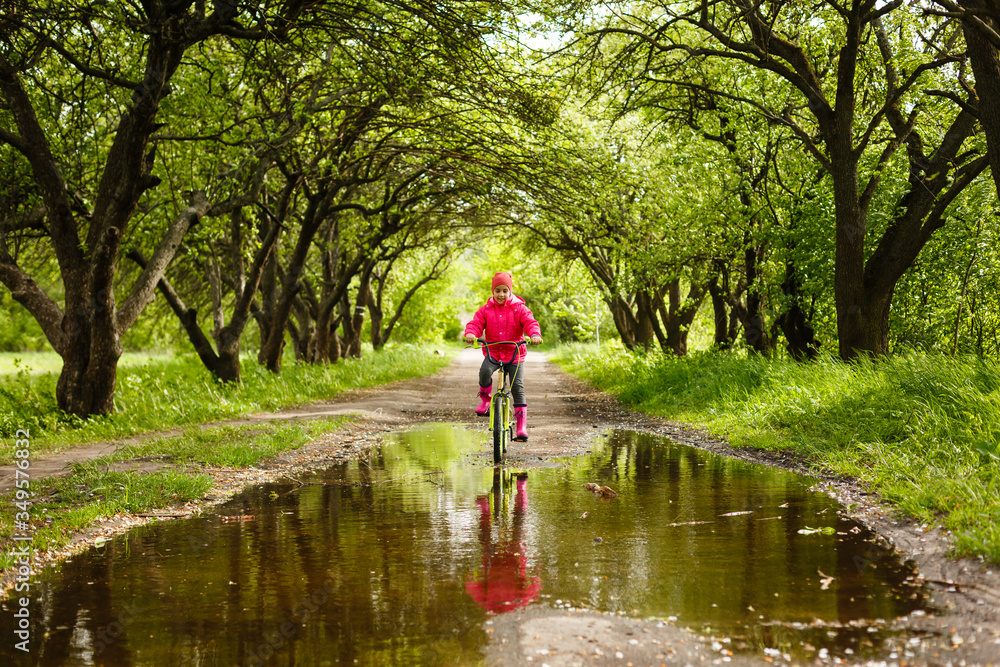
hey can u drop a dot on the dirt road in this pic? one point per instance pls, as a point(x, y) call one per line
point(564, 415)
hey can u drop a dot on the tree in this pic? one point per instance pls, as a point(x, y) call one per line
point(980, 21)
point(848, 81)
point(615, 198)
point(88, 114)
point(432, 102)
point(117, 61)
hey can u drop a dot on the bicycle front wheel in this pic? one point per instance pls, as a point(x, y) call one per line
point(499, 427)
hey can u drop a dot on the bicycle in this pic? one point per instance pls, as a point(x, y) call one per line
point(501, 415)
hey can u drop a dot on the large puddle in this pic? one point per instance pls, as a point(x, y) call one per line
point(400, 558)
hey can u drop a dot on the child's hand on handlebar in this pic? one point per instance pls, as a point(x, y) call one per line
point(536, 340)
point(470, 339)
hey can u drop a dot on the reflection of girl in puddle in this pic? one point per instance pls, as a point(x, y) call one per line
point(503, 584)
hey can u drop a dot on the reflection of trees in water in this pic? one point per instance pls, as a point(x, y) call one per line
point(346, 538)
point(390, 559)
point(671, 540)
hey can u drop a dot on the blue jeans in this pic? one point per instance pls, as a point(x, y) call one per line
point(517, 387)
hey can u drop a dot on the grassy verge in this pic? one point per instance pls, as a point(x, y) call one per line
point(921, 430)
point(165, 392)
point(72, 503)
point(94, 489)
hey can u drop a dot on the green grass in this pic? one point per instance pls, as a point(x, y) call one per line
point(921, 430)
point(231, 446)
point(164, 392)
point(64, 505)
point(61, 506)
point(49, 362)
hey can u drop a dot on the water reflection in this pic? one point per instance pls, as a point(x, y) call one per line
point(503, 583)
point(399, 558)
point(711, 540)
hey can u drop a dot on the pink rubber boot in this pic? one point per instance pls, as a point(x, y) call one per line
point(521, 422)
point(483, 408)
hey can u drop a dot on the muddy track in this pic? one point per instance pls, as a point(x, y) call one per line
point(564, 414)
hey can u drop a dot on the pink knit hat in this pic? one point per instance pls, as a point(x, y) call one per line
point(503, 278)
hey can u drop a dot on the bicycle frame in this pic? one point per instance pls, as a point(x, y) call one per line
point(501, 415)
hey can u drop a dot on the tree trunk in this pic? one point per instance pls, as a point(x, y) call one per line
point(624, 320)
point(720, 315)
point(376, 316)
point(330, 259)
point(347, 323)
point(324, 329)
point(856, 334)
point(754, 330)
point(336, 345)
point(86, 384)
point(268, 297)
point(224, 365)
point(227, 368)
point(799, 334)
point(302, 330)
point(273, 345)
point(676, 335)
point(754, 327)
point(678, 314)
point(644, 315)
point(873, 323)
point(335, 287)
point(339, 270)
point(360, 306)
point(986, 68)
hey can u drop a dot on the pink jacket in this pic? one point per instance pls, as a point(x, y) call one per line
point(511, 321)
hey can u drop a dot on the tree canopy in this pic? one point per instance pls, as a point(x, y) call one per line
point(792, 177)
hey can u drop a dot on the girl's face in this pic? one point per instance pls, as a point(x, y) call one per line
point(501, 293)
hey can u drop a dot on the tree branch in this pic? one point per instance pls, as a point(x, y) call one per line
point(142, 290)
point(27, 293)
point(188, 317)
point(84, 68)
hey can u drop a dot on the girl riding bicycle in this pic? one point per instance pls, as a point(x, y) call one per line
point(504, 317)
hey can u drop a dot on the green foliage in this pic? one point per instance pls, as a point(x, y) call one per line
point(428, 317)
point(949, 300)
point(27, 401)
point(166, 393)
point(432, 314)
point(20, 332)
point(560, 293)
point(921, 429)
point(230, 446)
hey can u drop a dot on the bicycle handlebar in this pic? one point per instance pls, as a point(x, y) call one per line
point(487, 344)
